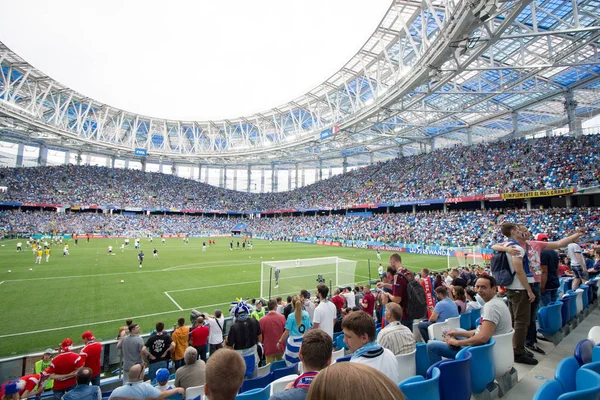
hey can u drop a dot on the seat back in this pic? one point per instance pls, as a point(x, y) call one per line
point(573, 304)
point(567, 284)
point(277, 365)
point(550, 390)
point(565, 373)
point(503, 353)
point(281, 372)
point(594, 335)
point(422, 359)
point(566, 309)
point(596, 354)
point(550, 318)
point(585, 294)
point(588, 386)
point(339, 343)
point(455, 378)
point(482, 367)
point(262, 371)
point(194, 391)
point(594, 366)
point(256, 394)
point(280, 384)
point(417, 388)
point(453, 323)
point(435, 330)
point(255, 383)
point(583, 351)
point(337, 354)
point(579, 300)
point(465, 321)
point(417, 332)
point(475, 317)
point(407, 365)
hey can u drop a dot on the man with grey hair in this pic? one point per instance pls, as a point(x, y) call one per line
point(192, 373)
point(135, 388)
point(83, 390)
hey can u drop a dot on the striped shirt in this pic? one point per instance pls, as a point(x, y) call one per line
point(397, 338)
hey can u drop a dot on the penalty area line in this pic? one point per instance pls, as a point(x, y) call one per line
point(174, 302)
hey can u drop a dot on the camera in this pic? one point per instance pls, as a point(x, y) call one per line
point(320, 279)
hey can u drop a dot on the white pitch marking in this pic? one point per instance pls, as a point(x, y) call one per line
point(110, 321)
point(1, 282)
point(174, 302)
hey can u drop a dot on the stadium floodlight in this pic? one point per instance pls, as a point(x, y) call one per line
point(279, 278)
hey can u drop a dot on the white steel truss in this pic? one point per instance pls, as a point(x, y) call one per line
point(434, 73)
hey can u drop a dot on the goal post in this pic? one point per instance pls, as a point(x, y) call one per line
point(464, 256)
point(279, 278)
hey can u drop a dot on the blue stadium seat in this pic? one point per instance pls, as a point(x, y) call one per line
point(281, 372)
point(256, 383)
point(256, 394)
point(596, 353)
point(585, 295)
point(455, 378)
point(550, 390)
point(339, 343)
point(572, 304)
point(588, 386)
point(465, 321)
point(416, 387)
point(422, 359)
point(482, 367)
point(277, 365)
point(566, 309)
point(583, 351)
point(550, 318)
point(475, 316)
point(567, 284)
point(565, 373)
point(594, 366)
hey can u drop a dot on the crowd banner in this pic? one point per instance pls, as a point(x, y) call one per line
point(428, 287)
point(537, 193)
point(465, 199)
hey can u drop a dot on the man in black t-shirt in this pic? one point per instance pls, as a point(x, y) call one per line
point(157, 350)
point(244, 336)
point(549, 281)
point(457, 280)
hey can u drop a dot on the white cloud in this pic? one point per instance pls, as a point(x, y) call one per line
point(189, 59)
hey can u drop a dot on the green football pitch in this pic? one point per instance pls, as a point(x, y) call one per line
point(43, 304)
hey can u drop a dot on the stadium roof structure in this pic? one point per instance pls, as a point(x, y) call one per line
point(434, 73)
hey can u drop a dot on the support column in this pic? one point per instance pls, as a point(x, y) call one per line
point(221, 177)
point(262, 179)
point(445, 208)
point(143, 161)
point(173, 169)
point(432, 145)
point(126, 162)
point(372, 158)
point(330, 173)
point(160, 165)
point(296, 176)
point(20, 151)
point(303, 177)
point(320, 170)
point(248, 187)
point(570, 107)
point(79, 159)
point(470, 136)
point(528, 204)
point(345, 164)
point(400, 151)
point(569, 200)
point(274, 177)
point(548, 132)
point(414, 209)
point(224, 177)
point(482, 205)
point(112, 162)
point(235, 179)
point(515, 124)
point(289, 186)
point(68, 157)
point(43, 156)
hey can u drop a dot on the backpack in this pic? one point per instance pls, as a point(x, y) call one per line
point(415, 304)
point(500, 268)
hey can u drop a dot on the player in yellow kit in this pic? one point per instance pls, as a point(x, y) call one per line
point(38, 257)
point(47, 254)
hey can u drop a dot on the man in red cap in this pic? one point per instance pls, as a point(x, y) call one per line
point(90, 356)
point(63, 369)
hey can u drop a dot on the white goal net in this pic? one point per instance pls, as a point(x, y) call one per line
point(464, 256)
point(279, 278)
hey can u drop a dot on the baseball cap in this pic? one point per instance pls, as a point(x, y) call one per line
point(541, 237)
point(48, 351)
point(88, 335)
point(66, 344)
point(12, 388)
point(162, 375)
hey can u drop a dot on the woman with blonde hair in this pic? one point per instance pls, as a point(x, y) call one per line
point(349, 380)
point(297, 324)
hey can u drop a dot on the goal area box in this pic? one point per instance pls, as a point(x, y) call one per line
point(280, 278)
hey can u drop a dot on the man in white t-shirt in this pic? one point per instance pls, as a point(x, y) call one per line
point(359, 335)
point(349, 296)
point(325, 313)
point(215, 337)
point(577, 264)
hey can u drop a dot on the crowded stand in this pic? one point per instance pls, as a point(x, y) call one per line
point(454, 228)
point(491, 168)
